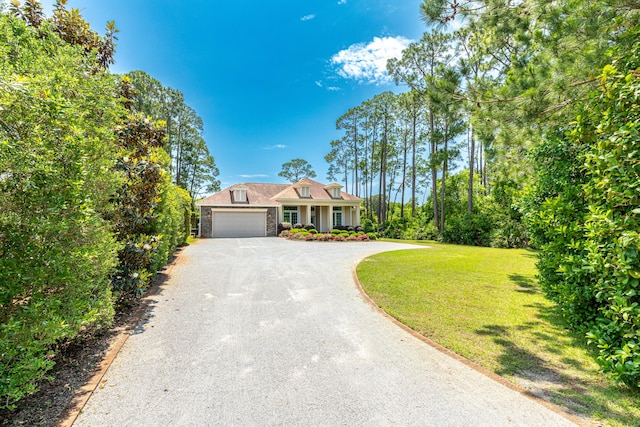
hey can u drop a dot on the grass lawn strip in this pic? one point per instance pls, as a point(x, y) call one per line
point(485, 304)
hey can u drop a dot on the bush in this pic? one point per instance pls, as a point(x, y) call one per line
point(313, 231)
point(584, 217)
point(324, 237)
point(283, 226)
point(57, 149)
point(372, 236)
point(297, 225)
point(335, 231)
point(285, 233)
point(309, 226)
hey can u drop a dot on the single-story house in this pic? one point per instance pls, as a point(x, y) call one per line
point(255, 210)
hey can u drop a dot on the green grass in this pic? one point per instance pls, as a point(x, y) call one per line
point(485, 304)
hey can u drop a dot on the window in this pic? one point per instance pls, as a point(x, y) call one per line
point(335, 192)
point(305, 191)
point(239, 195)
point(313, 216)
point(290, 214)
point(337, 215)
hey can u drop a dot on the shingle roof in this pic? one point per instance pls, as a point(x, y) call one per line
point(269, 194)
point(257, 194)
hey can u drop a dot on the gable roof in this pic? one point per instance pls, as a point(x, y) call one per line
point(257, 194)
point(317, 190)
point(270, 194)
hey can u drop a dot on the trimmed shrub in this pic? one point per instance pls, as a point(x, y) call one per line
point(309, 226)
point(313, 231)
point(57, 149)
point(283, 226)
point(297, 225)
point(372, 236)
point(335, 231)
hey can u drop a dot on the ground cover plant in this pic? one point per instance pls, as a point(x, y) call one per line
point(486, 305)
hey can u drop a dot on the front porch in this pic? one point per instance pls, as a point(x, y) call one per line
point(323, 217)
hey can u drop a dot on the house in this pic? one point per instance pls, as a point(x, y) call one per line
point(254, 210)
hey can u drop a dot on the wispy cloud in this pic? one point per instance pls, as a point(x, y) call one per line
point(342, 1)
point(367, 63)
point(275, 147)
point(329, 88)
point(308, 17)
point(255, 175)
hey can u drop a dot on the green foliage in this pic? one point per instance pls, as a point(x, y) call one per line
point(296, 169)
point(191, 165)
point(56, 156)
point(586, 218)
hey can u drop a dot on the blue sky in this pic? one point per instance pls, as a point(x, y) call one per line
point(268, 78)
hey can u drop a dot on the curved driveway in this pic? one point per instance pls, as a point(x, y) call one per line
point(263, 332)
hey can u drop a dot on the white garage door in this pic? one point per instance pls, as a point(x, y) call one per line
point(240, 223)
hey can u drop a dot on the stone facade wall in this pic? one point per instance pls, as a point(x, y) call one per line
point(272, 222)
point(206, 222)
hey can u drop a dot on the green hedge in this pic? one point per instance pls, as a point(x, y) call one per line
point(57, 149)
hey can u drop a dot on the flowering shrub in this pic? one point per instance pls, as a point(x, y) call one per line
point(313, 235)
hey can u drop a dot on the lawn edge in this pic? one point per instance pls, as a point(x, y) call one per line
point(566, 413)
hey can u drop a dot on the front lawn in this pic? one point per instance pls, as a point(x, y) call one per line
point(485, 304)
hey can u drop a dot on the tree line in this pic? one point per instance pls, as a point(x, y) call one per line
point(543, 96)
point(95, 186)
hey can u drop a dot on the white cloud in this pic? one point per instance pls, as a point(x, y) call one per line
point(368, 62)
point(308, 17)
point(255, 175)
point(342, 2)
point(333, 88)
point(274, 147)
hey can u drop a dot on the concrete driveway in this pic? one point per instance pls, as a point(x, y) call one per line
point(263, 332)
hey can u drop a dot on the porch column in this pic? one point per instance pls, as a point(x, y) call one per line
point(357, 221)
point(330, 219)
point(307, 219)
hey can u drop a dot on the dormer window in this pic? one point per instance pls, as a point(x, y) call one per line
point(305, 191)
point(240, 195)
point(334, 190)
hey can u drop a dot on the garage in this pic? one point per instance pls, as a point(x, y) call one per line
point(239, 223)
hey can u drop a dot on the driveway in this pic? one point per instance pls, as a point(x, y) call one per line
point(263, 332)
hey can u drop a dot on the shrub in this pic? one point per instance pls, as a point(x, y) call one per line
point(335, 231)
point(283, 226)
point(372, 236)
point(339, 238)
point(313, 231)
point(324, 237)
point(285, 233)
point(57, 149)
point(309, 226)
point(297, 225)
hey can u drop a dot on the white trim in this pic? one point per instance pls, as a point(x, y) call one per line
point(239, 206)
point(237, 209)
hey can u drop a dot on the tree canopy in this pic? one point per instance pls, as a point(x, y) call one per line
point(296, 169)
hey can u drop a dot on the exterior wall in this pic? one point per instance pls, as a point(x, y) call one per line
point(272, 222)
point(206, 221)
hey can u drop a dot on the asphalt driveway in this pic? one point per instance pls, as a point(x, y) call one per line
point(263, 332)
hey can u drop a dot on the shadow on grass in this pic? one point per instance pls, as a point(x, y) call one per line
point(526, 284)
point(564, 380)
